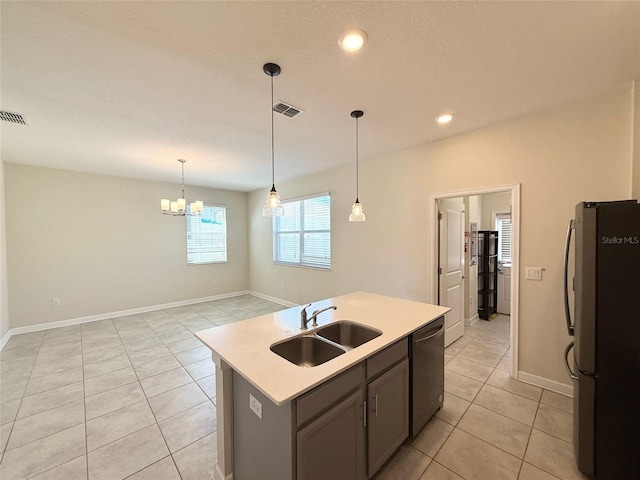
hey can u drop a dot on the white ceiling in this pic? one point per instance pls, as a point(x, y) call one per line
point(126, 88)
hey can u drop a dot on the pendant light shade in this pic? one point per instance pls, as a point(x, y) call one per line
point(272, 207)
point(357, 212)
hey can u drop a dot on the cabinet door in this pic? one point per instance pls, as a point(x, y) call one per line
point(332, 447)
point(388, 414)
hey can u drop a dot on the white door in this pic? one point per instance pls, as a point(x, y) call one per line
point(504, 290)
point(451, 269)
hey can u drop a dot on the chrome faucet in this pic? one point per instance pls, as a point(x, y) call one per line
point(304, 320)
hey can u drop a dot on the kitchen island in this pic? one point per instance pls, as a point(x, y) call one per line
point(244, 360)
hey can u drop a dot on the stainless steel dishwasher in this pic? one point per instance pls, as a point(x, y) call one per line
point(426, 369)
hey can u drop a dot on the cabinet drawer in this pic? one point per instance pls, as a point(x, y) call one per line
point(386, 358)
point(324, 396)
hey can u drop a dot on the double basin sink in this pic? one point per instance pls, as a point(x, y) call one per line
point(324, 343)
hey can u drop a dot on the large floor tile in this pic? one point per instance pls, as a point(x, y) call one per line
point(143, 356)
point(498, 430)
point(165, 381)
point(154, 367)
point(50, 399)
point(44, 454)
point(557, 401)
point(186, 427)
point(52, 355)
point(177, 400)
point(452, 409)
point(102, 354)
point(197, 461)
point(482, 343)
point(193, 355)
point(552, 455)
point(201, 369)
point(164, 469)
point(431, 438)
point(435, 471)
point(529, 472)
point(469, 368)
point(106, 366)
point(8, 411)
point(554, 422)
point(10, 393)
point(75, 469)
point(501, 379)
point(508, 404)
point(114, 399)
point(117, 424)
point(54, 380)
point(43, 424)
point(180, 342)
point(473, 459)
point(486, 358)
point(208, 386)
point(461, 386)
point(92, 344)
point(407, 464)
point(109, 381)
point(5, 430)
point(127, 455)
point(48, 368)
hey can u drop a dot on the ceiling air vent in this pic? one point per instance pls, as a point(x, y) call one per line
point(13, 117)
point(287, 110)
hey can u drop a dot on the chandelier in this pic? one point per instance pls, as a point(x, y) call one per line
point(179, 207)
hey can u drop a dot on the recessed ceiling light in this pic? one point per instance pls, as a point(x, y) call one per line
point(445, 118)
point(352, 40)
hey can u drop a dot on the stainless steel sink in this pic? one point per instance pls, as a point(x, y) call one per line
point(306, 351)
point(348, 334)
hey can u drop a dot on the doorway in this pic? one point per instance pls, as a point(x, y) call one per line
point(513, 193)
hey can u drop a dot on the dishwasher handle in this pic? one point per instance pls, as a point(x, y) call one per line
point(439, 332)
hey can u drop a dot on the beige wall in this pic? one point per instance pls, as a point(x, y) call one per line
point(492, 203)
point(101, 245)
point(561, 157)
point(4, 299)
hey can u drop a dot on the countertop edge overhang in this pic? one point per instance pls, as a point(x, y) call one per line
point(244, 345)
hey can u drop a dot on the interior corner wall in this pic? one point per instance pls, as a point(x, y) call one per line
point(101, 244)
point(494, 202)
point(635, 186)
point(559, 158)
point(4, 298)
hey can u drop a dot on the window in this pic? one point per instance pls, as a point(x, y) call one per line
point(303, 236)
point(503, 226)
point(207, 236)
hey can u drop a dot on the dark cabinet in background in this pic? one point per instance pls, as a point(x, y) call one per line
point(487, 273)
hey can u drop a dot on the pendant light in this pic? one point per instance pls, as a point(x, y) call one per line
point(357, 213)
point(179, 207)
point(272, 207)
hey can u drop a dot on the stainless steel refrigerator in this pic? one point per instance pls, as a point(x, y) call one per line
point(605, 366)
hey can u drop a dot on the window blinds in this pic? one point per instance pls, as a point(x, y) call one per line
point(207, 235)
point(503, 225)
point(302, 237)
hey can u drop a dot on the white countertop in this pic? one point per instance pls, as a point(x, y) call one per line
point(244, 345)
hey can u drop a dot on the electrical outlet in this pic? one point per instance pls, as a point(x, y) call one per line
point(284, 285)
point(215, 281)
point(255, 406)
point(55, 302)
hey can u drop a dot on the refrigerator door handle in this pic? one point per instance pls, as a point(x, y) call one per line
point(566, 362)
point(567, 245)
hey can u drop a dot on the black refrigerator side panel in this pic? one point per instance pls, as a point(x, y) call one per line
point(618, 342)
point(585, 336)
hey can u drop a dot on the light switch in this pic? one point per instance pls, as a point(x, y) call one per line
point(533, 273)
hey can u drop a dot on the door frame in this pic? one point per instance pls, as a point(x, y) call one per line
point(514, 190)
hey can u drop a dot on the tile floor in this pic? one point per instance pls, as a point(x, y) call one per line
point(134, 397)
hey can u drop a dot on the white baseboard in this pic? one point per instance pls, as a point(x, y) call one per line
point(561, 388)
point(5, 338)
point(470, 321)
point(272, 299)
point(131, 311)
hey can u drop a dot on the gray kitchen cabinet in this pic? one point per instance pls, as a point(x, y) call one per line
point(387, 415)
point(332, 446)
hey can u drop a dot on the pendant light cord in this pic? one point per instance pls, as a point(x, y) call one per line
point(357, 168)
point(273, 168)
point(182, 179)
